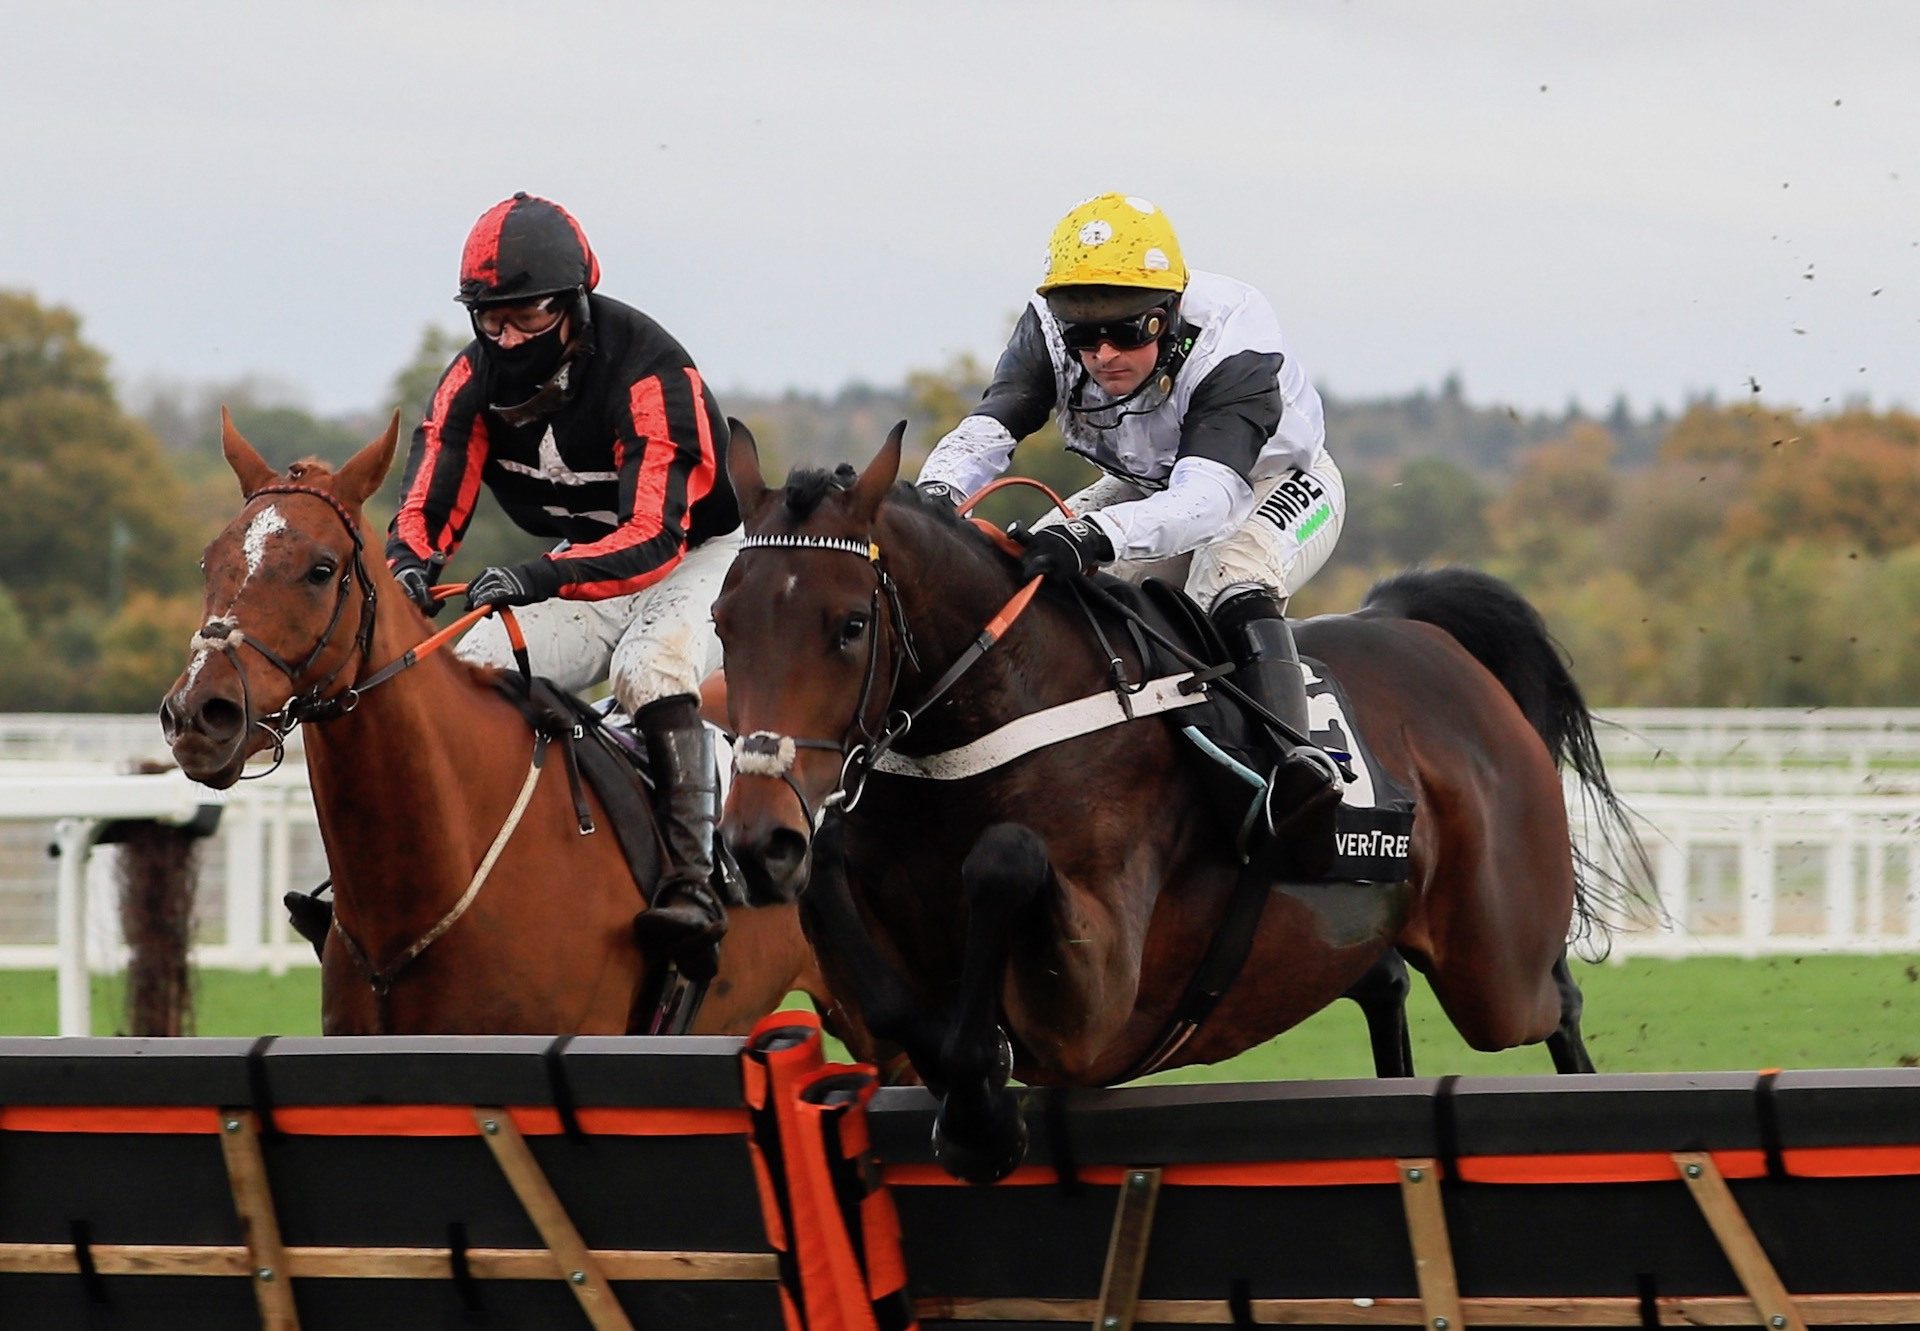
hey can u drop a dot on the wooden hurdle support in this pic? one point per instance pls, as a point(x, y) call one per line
point(655, 1183)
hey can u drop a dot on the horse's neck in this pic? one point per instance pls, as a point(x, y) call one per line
point(401, 782)
point(950, 591)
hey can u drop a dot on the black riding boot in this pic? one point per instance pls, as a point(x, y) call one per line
point(312, 916)
point(1306, 783)
point(684, 911)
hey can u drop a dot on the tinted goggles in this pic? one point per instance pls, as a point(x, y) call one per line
point(1125, 334)
point(530, 317)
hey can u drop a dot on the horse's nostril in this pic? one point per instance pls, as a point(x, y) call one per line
point(221, 718)
point(786, 857)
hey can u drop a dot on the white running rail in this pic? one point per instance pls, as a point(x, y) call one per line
point(1769, 831)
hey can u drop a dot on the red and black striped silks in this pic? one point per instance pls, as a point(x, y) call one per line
point(828, 1215)
point(628, 471)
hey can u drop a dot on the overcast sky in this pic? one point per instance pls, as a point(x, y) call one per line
point(1555, 200)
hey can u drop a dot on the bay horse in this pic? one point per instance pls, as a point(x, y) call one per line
point(1045, 917)
point(445, 920)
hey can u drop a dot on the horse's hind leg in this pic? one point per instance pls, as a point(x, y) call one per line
point(979, 1135)
point(1382, 996)
point(1568, 1049)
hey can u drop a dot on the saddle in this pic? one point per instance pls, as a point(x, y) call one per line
point(1233, 751)
point(615, 765)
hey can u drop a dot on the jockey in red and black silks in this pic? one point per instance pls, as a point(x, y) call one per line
point(590, 425)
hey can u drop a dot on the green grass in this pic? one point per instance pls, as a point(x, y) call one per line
point(1644, 1016)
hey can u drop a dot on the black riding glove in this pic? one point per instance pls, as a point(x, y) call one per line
point(1064, 549)
point(416, 578)
point(518, 584)
point(940, 490)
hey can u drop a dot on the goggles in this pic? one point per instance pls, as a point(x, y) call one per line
point(1125, 334)
point(531, 317)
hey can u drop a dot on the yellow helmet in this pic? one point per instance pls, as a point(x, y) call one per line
point(1115, 240)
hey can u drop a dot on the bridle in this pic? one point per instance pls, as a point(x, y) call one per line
point(224, 635)
point(766, 753)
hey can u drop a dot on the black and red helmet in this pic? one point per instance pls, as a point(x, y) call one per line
point(522, 248)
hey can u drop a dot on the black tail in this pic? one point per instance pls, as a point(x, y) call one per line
point(1505, 634)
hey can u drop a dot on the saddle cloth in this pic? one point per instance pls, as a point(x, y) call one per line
point(1374, 824)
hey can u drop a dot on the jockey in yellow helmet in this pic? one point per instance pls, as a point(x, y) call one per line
point(1180, 386)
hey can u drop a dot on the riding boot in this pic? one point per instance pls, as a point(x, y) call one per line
point(684, 911)
point(311, 915)
point(1306, 784)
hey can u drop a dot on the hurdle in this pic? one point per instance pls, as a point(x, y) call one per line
point(613, 1182)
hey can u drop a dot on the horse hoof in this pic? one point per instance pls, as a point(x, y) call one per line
point(997, 1154)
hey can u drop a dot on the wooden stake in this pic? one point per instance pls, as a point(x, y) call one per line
point(1432, 1250)
point(1127, 1250)
point(1743, 1250)
point(253, 1203)
point(543, 1207)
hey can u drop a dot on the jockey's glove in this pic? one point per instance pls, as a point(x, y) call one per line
point(946, 494)
point(516, 584)
point(1063, 549)
point(416, 578)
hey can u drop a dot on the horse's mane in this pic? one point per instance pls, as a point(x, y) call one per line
point(809, 487)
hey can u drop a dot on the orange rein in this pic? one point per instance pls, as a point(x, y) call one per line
point(994, 533)
point(447, 590)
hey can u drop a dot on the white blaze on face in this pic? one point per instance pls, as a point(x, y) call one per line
point(193, 669)
point(266, 524)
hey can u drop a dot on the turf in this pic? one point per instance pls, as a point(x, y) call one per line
point(1643, 1016)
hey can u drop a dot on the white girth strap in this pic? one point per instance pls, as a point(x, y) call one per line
point(1038, 730)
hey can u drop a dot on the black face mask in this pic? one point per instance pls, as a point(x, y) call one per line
point(515, 372)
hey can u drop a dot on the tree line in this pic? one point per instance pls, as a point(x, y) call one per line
point(1736, 555)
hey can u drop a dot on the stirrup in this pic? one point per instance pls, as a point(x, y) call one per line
point(1321, 802)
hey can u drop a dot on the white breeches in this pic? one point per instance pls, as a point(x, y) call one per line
point(651, 644)
point(1296, 522)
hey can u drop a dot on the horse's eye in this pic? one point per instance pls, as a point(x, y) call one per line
point(852, 629)
point(320, 574)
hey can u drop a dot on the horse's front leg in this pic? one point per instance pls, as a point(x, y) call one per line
point(979, 1135)
point(857, 970)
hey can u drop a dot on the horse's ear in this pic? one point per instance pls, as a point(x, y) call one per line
point(247, 464)
point(743, 466)
point(367, 468)
point(879, 476)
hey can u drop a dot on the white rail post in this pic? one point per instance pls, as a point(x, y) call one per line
point(1760, 882)
point(74, 839)
point(246, 877)
point(1840, 920)
point(279, 879)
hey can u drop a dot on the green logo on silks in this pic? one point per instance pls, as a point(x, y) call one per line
point(1315, 522)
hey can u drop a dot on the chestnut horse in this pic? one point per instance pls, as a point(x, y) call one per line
point(466, 899)
point(1052, 911)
